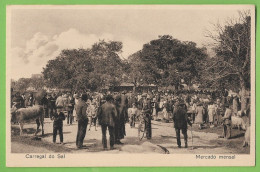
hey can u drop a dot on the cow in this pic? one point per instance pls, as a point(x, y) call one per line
point(238, 122)
point(29, 114)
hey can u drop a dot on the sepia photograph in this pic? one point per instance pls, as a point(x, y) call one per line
point(130, 85)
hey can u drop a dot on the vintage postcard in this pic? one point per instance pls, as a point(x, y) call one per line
point(130, 85)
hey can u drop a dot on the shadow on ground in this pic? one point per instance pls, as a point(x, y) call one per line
point(29, 139)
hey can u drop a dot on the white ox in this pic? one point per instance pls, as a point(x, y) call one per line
point(26, 115)
point(238, 122)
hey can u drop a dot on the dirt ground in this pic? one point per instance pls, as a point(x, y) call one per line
point(163, 140)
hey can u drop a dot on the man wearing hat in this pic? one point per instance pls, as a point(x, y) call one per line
point(227, 123)
point(180, 119)
point(107, 114)
point(58, 118)
point(82, 118)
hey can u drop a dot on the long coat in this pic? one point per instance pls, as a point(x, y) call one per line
point(211, 112)
point(180, 117)
point(107, 114)
point(122, 117)
point(81, 109)
point(199, 112)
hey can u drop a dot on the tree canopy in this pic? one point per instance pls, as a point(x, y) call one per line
point(84, 69)
point(166, 61)
point(23, 84)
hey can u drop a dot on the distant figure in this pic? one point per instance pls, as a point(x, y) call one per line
point(44, 102)
point(147, 114)
point(107, 114)
point(220, 111)
point(60, 101)
point(180, 119)
point(24, 99)
point(30, 100)
point(211, 112)
point(18, 101)
point(51, 104)
point(132, 115)
point(70, 107)
point(92, 114)
point(199, 115)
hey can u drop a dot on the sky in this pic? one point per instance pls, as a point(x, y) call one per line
point(39, 34)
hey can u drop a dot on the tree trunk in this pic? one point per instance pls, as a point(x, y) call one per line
point(243, 94)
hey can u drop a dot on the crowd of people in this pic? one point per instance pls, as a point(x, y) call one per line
point(112, 110)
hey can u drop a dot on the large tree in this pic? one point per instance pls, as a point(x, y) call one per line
point(108, 66)
point(231, 65)
point(86, 69)
point(166, 61)
point(69, 70)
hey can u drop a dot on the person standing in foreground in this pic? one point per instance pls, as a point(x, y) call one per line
point(107, 114)
point(227, 123)
point(121, 119)
point(180, 119)
point(58, 118)
point(82, 120)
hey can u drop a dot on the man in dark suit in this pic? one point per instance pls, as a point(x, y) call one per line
point(180, 119)
point(82, 120)
point(121, 118)
point(107, 114)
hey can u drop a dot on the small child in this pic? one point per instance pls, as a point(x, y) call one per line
point(133, 114)
point(58, 118)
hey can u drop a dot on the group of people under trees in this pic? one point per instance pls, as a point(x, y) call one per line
point(113, 110)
